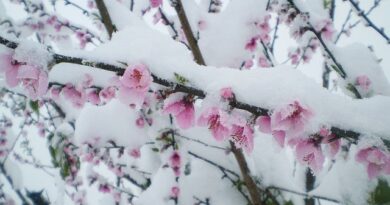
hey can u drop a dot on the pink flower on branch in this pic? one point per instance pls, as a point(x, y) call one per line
point(181, 106)
point(218, 122)
point(134, 84)
point(227, 93)
point(331, 141)
point(291, 119)
point(363, 82)
point(264, 123)
point(326, 28)
point(34, 80)
point(251, 45)
point(175, 191)
point(10, 68)
point(75, 96)
point(287, 121)
point(242, 134)
point(309, 152)
point(175, 163)
point(376, 160)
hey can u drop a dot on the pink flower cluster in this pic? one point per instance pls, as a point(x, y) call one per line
point(376, 160)
point(132, 88)
point(33, 78)
point(287, 121)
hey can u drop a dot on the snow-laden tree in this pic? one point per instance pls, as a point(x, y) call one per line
point(193, 102)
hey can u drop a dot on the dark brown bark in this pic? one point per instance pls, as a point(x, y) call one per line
point(105, 17)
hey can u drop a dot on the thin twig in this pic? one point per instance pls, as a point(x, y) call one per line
point(370, 23)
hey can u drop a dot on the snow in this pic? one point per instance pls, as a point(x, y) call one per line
point(113, 121)
point(223, 40)
point(358, 60)
point(267, 88)
point(14, 172)
point(32, 53)
point(159, 53)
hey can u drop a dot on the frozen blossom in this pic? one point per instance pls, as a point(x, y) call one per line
point(217, 121)
point(242, 133)
point(34, 80)
point(309, 152)
point(181, 106)
point(376, 160)
point(135, 84)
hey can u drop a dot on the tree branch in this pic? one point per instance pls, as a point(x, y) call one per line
point(176, 87)
point(371, 24)
point(254, 192)
point(193, 43)
point(17, 191)
point(105, 17)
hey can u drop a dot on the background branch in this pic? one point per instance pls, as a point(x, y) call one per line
point(105, 17)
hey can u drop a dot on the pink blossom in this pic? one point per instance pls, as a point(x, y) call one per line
point(93, 97)
point(264, 123)
point(83, 37)
point(175, 163)
point(376, 160)
point(55, 93)
point(263, 62)
point(104, 188)
point(181, 106)
point(175, 191)
point(136, 153)
point(91, 4)
point(10, 68)
point(135, 84)
point(155, 3)
point(107, 93)
point(76, 97)
point(41, 129)
point(140, 122)
point(227, 93)
point(265, 38)
point(202, 25)
point(251, 45)
point(34, 80)
point(242, 134)
point(309, 153)
point(290, 118)
point(363, 81)
point(175, 159)
point(248, 63)
point(326, 29)
point(329, 139)
point(88, 157)
point(51, 20)
point(264, 26)
point(218, 122)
